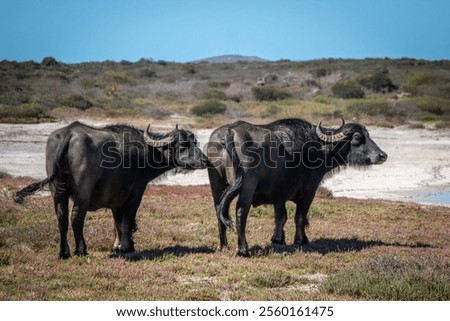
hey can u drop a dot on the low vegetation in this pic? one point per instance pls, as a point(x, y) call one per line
point(391, 278)
point(270, 93)
point(208, 108)
point(359, 250)
point(394, 91)
point(347, 89)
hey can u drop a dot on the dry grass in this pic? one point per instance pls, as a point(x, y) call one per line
point(176, 257)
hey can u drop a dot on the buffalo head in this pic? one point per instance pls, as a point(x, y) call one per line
point(350, 144)
point(179, 146)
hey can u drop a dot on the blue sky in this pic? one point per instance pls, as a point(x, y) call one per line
point(175, 30)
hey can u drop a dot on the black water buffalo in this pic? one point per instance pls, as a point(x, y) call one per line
point(282, 161)
point(109, 167)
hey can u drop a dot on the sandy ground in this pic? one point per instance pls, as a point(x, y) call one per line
point(418, 167)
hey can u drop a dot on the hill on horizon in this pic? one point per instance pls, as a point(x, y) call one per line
point(230, 59)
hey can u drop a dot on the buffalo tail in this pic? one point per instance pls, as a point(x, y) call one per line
point(233, 190)
point(61, 151)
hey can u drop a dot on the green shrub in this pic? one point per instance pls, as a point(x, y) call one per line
point(270, 93)
point(378, 81)
point(58, 75)
point(276, 279)
point(270, 78)
point(4, 175)
point(209, 107)
point(319, 72)
point(15, 98)
point(347, 89)
point(324, 100)
point(49, 61)
point(442, 124)
point(147, 73)
point(189, 69)
point(441, 90)
point(376, 107)
point(77, 101)
point(416, 126)
point(219, 84)
point(415, 81)
point(270, 111)
point(434, 105)
point(31, 110)
point(215, 94)
point(157, 112)
point(5, 258)
point(121, 77)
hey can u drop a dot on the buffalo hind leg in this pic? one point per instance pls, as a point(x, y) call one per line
point(61, 204)
point(278, 237)
point(218, 187)
point(79, 211)
point(222, 227)
point(242, 208)
point(78, 217)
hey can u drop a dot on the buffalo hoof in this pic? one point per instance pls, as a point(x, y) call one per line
point(81, 253)
point(243, 253)
point(64, 256)
point(276, 242)
point(64, 253)
point(129, 250)
point(119, 249)
point(303, 241)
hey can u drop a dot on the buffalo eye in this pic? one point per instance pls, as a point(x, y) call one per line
point(357, 139)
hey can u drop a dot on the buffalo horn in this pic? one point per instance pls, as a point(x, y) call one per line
point(330, 138)
point(156, 142)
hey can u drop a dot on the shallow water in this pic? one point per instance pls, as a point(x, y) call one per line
point(441, 198)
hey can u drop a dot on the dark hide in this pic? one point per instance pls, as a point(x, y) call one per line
point(275, 163)
point(108, 167)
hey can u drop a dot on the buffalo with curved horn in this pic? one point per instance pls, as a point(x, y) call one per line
point(109, 167)
point(282, 161)
point(330, 138)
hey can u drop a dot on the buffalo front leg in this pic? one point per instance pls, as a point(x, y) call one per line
point(128, 225)
point(301, 220)
point(61, 204)
point(278, 237)
point(117, 229)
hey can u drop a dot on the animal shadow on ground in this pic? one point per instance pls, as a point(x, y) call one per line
point(322, 246)
point(326, 245)
point(156, 254)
